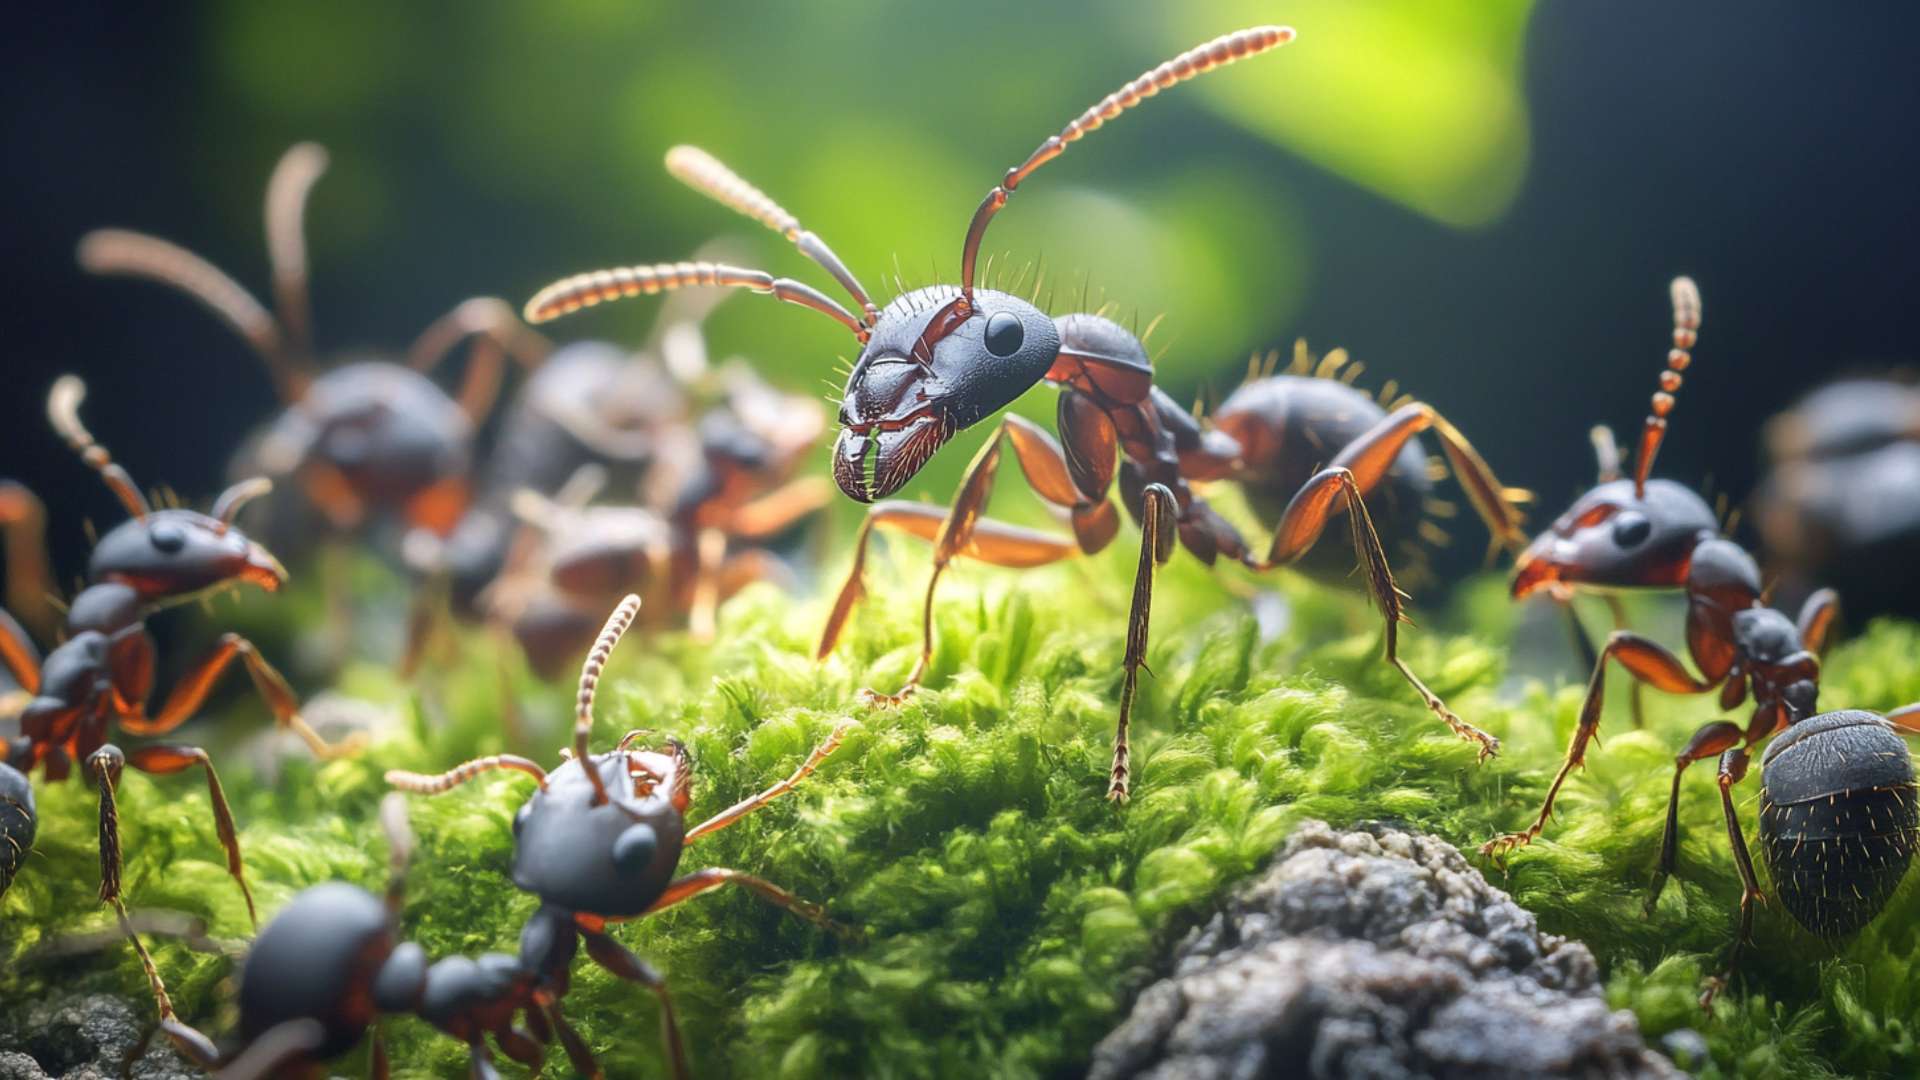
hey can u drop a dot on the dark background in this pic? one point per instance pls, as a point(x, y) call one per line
point(1768, 149)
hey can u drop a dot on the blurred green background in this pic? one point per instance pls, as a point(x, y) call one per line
point(1483, 200)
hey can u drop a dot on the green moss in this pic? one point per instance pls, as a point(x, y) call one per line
point(1009, 910)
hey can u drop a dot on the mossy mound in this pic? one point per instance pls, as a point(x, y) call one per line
point(1010, 911)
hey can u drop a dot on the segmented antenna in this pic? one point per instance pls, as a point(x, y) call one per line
point(617, 624)
point(706, 174)
point(286, 209)
point(121, 251)
point(1199, 60)
point(63, 412)
point(228, 505)
point(435, 783)
point(569, 295)
point(1686, 331)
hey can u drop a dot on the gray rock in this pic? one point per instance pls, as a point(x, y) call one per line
point(89, 1037)
point(1375, 955)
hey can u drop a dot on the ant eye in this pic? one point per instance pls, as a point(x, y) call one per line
point(1005, 334)
point(166, 537)
point(1631, 527)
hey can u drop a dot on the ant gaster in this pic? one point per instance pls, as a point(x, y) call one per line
point(944, 357)
point(600, 841)
point(1649, 533)
point(102, 674)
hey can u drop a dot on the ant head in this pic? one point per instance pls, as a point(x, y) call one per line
point(608, 858)
point(1619, 537)
point(936, 363)
point(170, 554)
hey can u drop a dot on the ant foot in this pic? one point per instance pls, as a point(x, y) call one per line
point(869, 696)
point(1500, 847)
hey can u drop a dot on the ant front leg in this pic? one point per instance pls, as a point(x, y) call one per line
point(617, 959)
point(1647, 662)
point(107, 763)
point(746, 806)
point(701, 881)
point(1733, 768)
point(1158, 517)
point(962, 530)
point(192, 690)
point(1712, 738)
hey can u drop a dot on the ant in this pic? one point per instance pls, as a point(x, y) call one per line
point(599, 843)
point(102, 674)
point(18, 821)
point(330, 963)
point(1648, 533)
point(944, 357)
point(1838, 503)
point(363, 438)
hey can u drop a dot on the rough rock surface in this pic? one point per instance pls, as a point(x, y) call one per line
point(1375, 954)
point(90, 1037)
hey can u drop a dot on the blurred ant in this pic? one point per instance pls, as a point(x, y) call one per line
point(362, 439)
point(102, 674)
point(1841, 499)
point(599, 843)
point(1649, 533)
point(942, 358)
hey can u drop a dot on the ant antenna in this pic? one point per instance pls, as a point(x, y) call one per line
point(706, 174)
point(1199, 60)
point(617, 624)
point(1606, 452)
point(228, 505)
point(286, 208)
point(122, 251)
point(63, 411)
point(1686, 331)
point(569, 295)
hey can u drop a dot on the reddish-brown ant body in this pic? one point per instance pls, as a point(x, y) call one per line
point(944, 357)
point(600, 841)
point(362, 440)
point(102, 674)
point(1640, 532)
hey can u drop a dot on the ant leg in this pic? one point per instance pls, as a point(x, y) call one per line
point(20, 658)
point(1157, 533)
point(710, 552)
point(578, 1055)
point(377, 1065)
point(1647, 662)
point(287, 1043)
point(192, 689)
point(700, 881)
point(480, 1061)
point(962, 530)
point(487, 317)
point(30, 588)
point(777, 510)
point(1816, 618)
point(1733, 768)
point(192, 1045)
point(1711, 739)
point(617, 959)
point(167, 760)
point(1305, 517)
point(1906, 718)
point(746, 806)
point(1636, 699)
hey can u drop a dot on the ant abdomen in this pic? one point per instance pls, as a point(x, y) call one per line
point(1838, 818)
point(17, 822)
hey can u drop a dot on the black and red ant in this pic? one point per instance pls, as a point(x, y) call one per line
point(364, 439)
point(102, 674)
point(1640, 532)
point(942, 358)
point(600, 841)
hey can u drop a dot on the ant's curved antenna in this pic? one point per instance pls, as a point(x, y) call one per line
point(706, 174)
point(1686, 331)
point(610, 634)
point(1199, 60)
point(122, 251)
point(597, 287)
point(63, 411)
point(286, 208)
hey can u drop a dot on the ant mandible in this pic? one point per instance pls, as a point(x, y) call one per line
point(102, 674)
point(944, 357)
point(599, 843)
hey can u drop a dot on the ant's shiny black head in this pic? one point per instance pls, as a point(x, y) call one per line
point(611, 858)
point(933, 366)
point(1614, 538)
point(173, 554)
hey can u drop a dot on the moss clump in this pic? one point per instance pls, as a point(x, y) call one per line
point(1010, 910)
